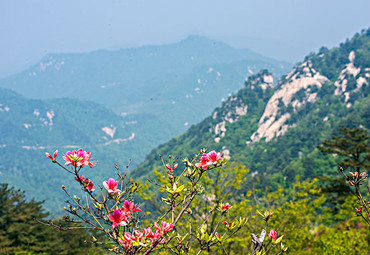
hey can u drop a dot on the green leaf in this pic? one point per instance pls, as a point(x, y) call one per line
point(279, 239)
point(179, 189)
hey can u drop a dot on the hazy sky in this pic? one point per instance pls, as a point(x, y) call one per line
point(283, 29)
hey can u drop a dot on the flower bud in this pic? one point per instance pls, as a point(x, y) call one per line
point(48, 156)
point(55, 154)
point(63, 187)
point(273, 235)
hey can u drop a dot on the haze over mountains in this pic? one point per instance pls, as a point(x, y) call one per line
point(142, 97)
point(157, 80)
point(275, 130)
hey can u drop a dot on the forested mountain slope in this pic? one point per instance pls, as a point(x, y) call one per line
point(29, 127)
point(275, 131)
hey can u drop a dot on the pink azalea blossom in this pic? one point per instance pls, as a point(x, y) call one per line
point(50, 157)
point(126, 245)
point(128, 237)
point(273, 235)
point(78, 158)
point(81, 180)
point(156, 236)
point(227, 224)
point(214, 157)
point(111, 186)
point(157, 227)
point(167, 227)
point(129, 208)
point(203, 162)
point(118, 218)
point(86, 183)
point(90, 186)
point(225, 207)
point(138, 234)
point(148, 233)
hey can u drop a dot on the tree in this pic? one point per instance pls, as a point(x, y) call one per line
point(20, 232)
point(353, 145)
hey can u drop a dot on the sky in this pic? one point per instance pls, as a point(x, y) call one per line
point(281, 29)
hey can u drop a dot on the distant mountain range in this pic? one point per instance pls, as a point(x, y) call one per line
point(142, 97)
point(162, 81)
point(275, 130)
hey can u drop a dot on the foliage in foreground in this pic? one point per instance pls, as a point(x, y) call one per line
point(113, 212)
point(200, 208)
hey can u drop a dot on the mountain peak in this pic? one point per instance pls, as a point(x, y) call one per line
point(201, 40)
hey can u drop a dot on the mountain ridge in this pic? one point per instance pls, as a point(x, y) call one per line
point(306, 107)
point(155, 81)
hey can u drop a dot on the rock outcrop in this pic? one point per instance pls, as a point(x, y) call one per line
point(272, 123)
point(351, 74)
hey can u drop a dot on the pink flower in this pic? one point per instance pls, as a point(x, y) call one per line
point(90, 185)
point(157, 227)
point(148, 233)
point(156, 236)
point(111, 186)
point(214, 157)
point(125, 244)
point(128, 237)
point(273, 235)
point(203, 162)
point(138, 234)
point(129, 208)
point(50, 157)
point(118, 218)
point(225, 207)
point(228, 225)
point(78, 158)
point(81, 180)
point(86, 183)
point(167, 227)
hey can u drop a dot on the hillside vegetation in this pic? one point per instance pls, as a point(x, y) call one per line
point(275, 130)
